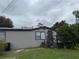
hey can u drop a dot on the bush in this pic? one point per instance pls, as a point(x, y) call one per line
point(1, 47)
point(42, 44)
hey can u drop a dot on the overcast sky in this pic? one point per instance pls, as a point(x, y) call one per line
point(30, 12)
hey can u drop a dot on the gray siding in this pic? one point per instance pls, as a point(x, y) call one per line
point(23, 39)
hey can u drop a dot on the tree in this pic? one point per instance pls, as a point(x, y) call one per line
point(76, 26)
point(58, 24)
point(76, 13)
point(69, 34)
point(76, 32)
point(66, 34)
point(5, 22)
point(40, 24)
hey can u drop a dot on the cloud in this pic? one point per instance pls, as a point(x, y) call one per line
point(30, 12)
point(3, 4)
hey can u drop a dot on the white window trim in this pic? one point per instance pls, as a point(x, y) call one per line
point(40, 35)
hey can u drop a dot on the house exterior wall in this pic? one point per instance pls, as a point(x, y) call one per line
point(23, 39)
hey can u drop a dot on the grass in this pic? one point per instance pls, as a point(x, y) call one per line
point(42, 53)
point(7, 55)
point(48, 54)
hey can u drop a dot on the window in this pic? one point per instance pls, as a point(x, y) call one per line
point(2, 35)
point(40, 35)
point(37, 35)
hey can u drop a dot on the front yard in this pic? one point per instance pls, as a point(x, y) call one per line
point(42, 53)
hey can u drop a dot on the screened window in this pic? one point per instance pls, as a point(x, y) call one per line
point(40, 35)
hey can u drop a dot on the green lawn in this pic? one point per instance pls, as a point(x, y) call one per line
point(48, 54)
point(42, 53)
point(7, 55)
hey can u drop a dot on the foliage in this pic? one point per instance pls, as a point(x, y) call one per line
point(43, 44)
point(64, 33)
point(76, 13)
point(40, 24)
point(5, 22)
point(58, 24)
point(1, 47)
point(75, 31)
point(67, 33)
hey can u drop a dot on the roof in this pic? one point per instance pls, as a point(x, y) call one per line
point(17, 29)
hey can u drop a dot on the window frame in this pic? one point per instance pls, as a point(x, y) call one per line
point(36, 35)
point(4, 34)
point(40, 35)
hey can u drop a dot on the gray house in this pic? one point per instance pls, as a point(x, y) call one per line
point(24, 38)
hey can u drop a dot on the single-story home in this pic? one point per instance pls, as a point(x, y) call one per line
point(24, 38)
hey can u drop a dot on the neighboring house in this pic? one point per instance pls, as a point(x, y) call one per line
point(24, 38)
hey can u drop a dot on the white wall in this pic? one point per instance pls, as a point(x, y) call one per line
point(22, 39)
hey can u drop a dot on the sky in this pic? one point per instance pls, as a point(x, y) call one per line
point(30, 12)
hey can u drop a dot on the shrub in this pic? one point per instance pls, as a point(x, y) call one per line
point(1, 47)
point(42, 44)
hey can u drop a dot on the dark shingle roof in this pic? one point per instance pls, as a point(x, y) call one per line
point(17, 29)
